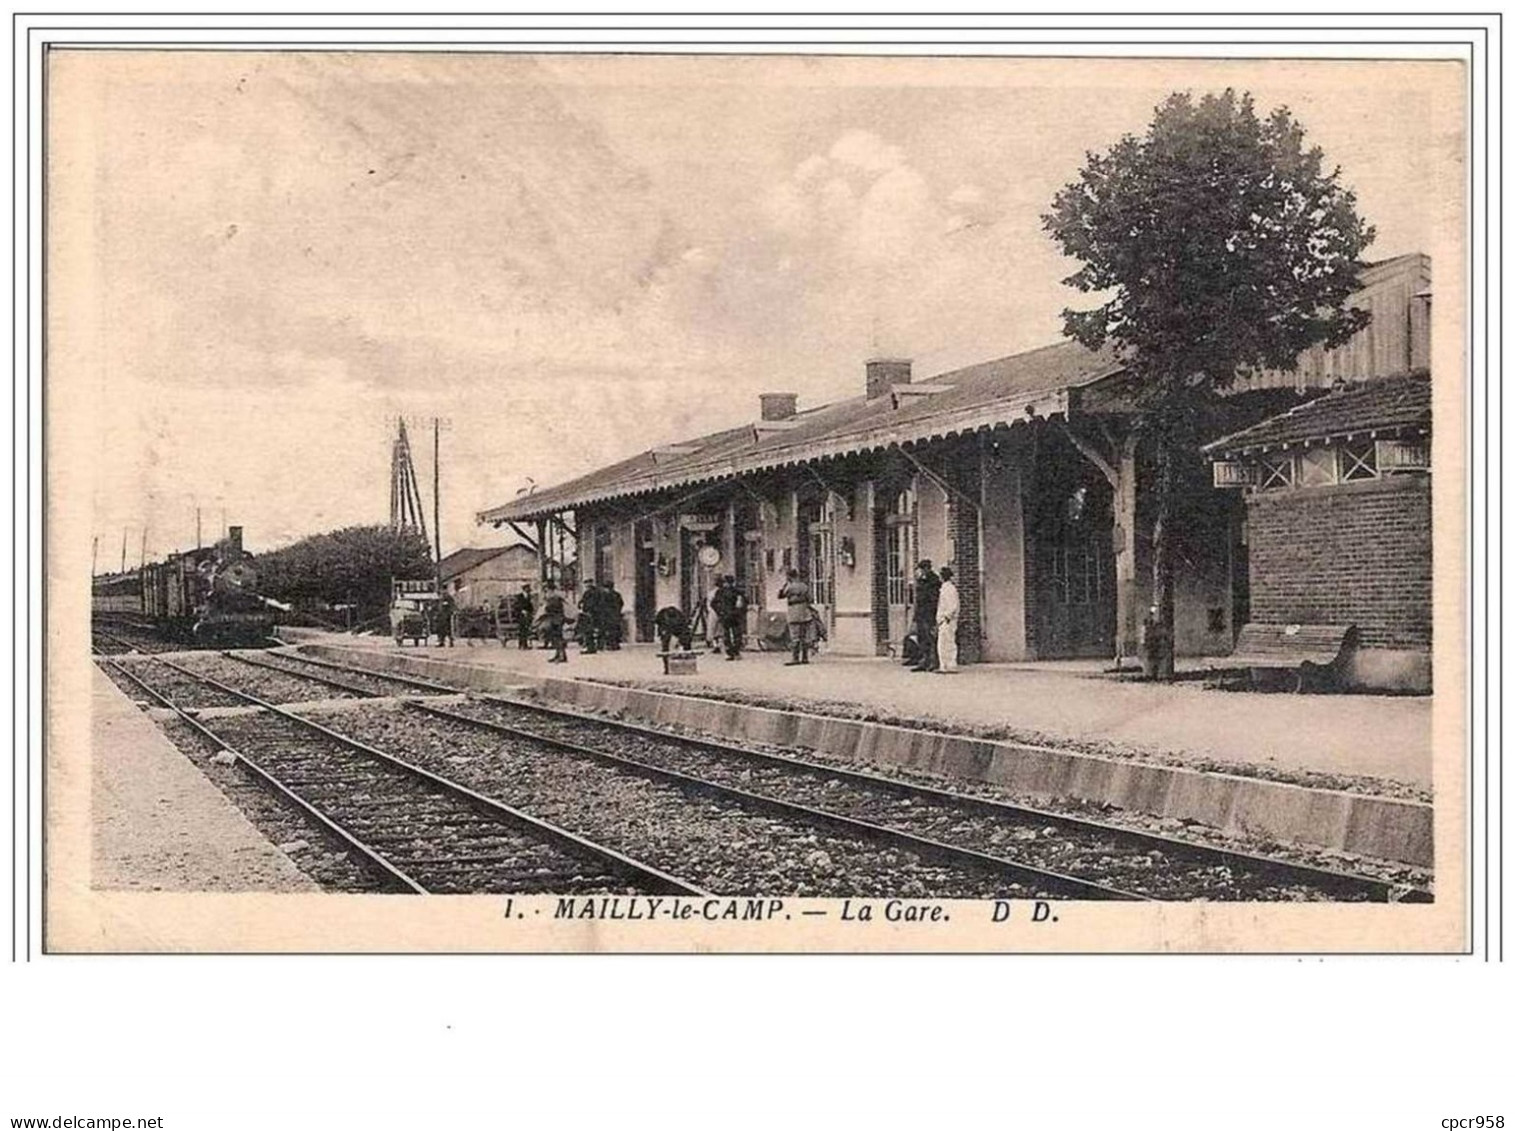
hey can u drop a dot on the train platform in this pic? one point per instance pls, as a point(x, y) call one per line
point(158, 824)
point(1377, 743)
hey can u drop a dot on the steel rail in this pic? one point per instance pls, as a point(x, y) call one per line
point(112, 638)
point(1051, 882)
point(1327, 879)
point(152, 692)
point(1330, 880)
point(326, 680)
point(413, 681)
point(658, 881)
point(396, 876)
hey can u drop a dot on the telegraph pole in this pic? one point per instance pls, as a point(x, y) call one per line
point(198, 543)
point(123, 549)
point(142, 560)
point(94, 558)
point(436, 491)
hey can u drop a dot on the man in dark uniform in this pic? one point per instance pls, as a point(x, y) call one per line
point(556, 615)
point(446, 611)
point(730, 606)
point(523, 610)
point(613, 607)
point(671, 622)
point(928, 589)
point(587, 628)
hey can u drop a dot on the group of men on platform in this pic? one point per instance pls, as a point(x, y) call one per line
point(932, 645)
point(728, 605)
point(598, 623)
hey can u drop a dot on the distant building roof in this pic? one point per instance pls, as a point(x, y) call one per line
point(1384, 405)
point(461, 561)
point(964, 400)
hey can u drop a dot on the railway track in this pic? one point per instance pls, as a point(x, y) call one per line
point(1145, 863)
point(1034, 851)
point(1123, 856)
point(418, 831)
point(340, 677)
point(846, 855)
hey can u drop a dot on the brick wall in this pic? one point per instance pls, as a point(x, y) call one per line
point(878, 502)
point(962, 531)
point(1356, 554)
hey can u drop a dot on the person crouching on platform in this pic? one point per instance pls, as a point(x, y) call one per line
point(947, 608)
point(555, 613)
point(671, 622)
point(801, 618)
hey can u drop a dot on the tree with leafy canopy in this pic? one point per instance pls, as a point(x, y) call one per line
point(1224, 248)
point(354, 564)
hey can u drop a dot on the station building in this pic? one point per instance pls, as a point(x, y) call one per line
point(479, 577)
point(1338, 514)
point(1021, 473)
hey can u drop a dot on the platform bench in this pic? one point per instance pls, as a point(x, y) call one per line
point(1297, 650)
point(680, 663)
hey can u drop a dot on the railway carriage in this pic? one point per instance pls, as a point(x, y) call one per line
point(207, 597)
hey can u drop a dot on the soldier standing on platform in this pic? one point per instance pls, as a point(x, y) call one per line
point(523, 611)
point(729, 604)
point(446, 611)
point(801, 618)
point(613, 607)
point(555, 612)
point(587, 629)
point(928, 588)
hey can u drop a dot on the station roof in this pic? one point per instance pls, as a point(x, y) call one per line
point(1384, 405)
point(980, 396)
point(470, 557)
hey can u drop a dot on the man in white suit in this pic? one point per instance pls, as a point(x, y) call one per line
point(947, 606)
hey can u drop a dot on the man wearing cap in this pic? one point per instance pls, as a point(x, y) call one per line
point(523, 610)
point(928, 589)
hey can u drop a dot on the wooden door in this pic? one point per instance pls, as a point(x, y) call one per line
point(644, 599)
point(1073, 575)
point(901, 551)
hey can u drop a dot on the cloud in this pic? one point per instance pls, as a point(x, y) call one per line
point(864, 205)
point(866, 150)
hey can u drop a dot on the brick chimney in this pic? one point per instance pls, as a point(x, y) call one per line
point(234, 539)
point(777, 406)
point(884, 372)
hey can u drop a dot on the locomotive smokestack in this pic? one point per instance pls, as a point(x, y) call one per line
point(234, 539)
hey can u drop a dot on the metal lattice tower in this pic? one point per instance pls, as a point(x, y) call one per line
point(405, 515)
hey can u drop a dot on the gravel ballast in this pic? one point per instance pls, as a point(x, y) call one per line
point(270, 686)
point(1130, 865)
point(714, 843)
point(446, 844)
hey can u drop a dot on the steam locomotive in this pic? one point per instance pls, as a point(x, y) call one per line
point(208, 598)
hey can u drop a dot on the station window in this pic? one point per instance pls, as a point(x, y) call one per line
point(1275, 471)
point(752, 572)
point(1317, 467)
point(1359, 461)
point(902, 545)
point(1076, 573)
point(604, 554)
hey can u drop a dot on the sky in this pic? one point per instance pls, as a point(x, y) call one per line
point(570, 259)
